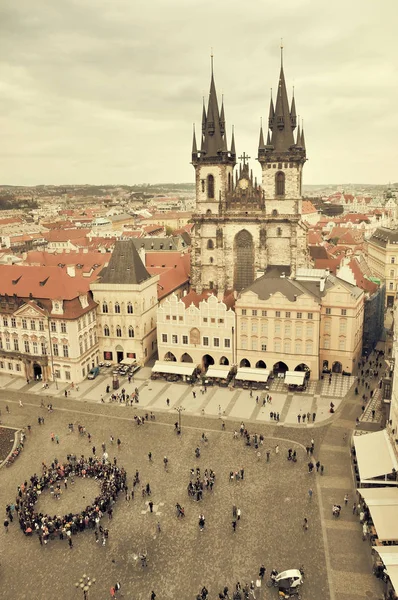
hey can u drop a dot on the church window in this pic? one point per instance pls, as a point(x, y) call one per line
point(393, 260)
point(203, 185)
point(131, 331)
point(211, 260)
point(290, 165)
point(211, 285)
point(274, 213)
point(274, 166)
point(280, 183)
point(286, 165)
point(117, 307)
point(130, 308)
point(229, 181)
point(118, 331)
point(106, 331)
point(279, 165)
point(279, 231)
point(210, 244)
point(243, 260)
point(210, 186)
point(104, 307)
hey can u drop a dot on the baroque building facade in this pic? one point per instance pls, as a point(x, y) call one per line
point(241, 228)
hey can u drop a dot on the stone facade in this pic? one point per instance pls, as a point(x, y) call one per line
point(241, 229)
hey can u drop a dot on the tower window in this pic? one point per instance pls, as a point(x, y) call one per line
point(280, 183)
point(210, 244)
point(278, 231)
point(210, 186)
point(229, 181)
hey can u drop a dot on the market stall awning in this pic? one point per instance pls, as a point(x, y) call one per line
point(389, 556)
point(173, 368)
point(221, 371)
point(128, 361)
point(251, 374)
point(383, 506)
point(374, 454)
point(294, 377)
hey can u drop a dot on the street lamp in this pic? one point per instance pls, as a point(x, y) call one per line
point(179, 409)
point(84, 583)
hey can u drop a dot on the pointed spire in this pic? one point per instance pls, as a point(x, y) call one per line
point(261, 140)
point(222, 116)
point(194, 146)
point(302, 135)
point(214, 144)
point(293, 116)
point(233, 151)
point(282, 131)
point(204, 119)
point(268, 139)
point(271, 114)
point(298, 141)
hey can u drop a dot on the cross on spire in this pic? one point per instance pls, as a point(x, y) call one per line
point(244, 158)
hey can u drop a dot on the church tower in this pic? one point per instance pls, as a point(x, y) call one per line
point(214, 163)
point(240, 228)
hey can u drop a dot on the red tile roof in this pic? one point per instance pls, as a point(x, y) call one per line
point(42, 282)
point(360, 280)
point(308, 207)
point(65, 235)
point(172, 267)
point(196, 299)
point(328, 263)
point(314, 238)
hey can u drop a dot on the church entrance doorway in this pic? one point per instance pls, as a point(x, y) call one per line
point(244, 363)
point(207, 360)
point(37, 371)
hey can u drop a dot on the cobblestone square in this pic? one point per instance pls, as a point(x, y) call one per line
point(273, 498)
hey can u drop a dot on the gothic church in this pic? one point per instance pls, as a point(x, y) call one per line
point(242, 229)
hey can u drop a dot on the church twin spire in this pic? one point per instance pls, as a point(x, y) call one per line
point(213, 147)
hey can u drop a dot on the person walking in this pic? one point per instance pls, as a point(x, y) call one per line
point(305, 524)
point(153, 595)
point(150, 504)
point(234, 525)
point(268, 455)
point(346, 499)
point(277, 449)
point(6, 524)
point(310, 492)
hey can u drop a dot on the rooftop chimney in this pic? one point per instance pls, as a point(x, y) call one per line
point(71, 270)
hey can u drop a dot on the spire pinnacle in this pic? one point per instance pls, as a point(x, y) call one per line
point(194, 146)
point(261, 140)
point(233, 151)
point(281, 53)
point(212, 62)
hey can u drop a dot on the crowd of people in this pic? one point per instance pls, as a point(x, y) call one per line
point(198, 483)
point(112, 480)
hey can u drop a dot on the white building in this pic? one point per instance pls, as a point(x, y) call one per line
point(197, 328)
point(127, 298)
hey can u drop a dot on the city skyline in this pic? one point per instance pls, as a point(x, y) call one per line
point(106, 94)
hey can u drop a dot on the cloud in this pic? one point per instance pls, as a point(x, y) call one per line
point(101, 91)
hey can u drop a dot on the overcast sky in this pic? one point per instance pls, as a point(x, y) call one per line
point(106, 91)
